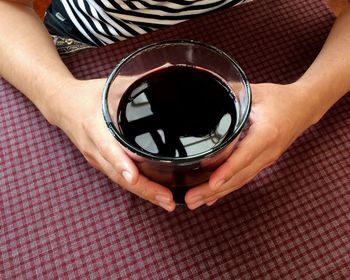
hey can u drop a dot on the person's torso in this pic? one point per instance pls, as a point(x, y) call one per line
point(105, 21)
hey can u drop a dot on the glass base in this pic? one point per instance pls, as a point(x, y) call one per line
point(179, 195)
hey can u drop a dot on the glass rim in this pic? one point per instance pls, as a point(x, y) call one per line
point(139, 151)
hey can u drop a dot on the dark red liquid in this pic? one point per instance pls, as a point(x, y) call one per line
point(177, 111)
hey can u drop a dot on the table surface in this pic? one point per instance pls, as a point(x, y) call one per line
point(61, 219)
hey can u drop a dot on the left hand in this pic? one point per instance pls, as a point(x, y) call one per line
point(280, 113)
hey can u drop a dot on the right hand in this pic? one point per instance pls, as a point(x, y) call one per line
point(78, 112)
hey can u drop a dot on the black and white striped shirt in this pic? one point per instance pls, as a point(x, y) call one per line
point(105, 21)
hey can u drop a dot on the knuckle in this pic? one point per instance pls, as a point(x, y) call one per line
point(274, 133)
point(245, 159)
point(104, 148)
point(92, 162)
point(86, 125)
point(88, 155)
point(248, 158)
point(212, 197)
point(145, 193)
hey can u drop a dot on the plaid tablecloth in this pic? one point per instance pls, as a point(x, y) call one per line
point(61, 219)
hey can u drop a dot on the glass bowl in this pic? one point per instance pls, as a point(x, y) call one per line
point(165, 83)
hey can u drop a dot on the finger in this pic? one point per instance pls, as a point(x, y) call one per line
point(112, 152)
point(252, 146)
point(198, 196)
point(210, 203)
point(144, 188)
point(153, 192)
point(243, 177)
point(241, 180)
point(205, 194)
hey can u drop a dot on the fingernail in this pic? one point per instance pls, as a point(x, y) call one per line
point(127, 176)
point(167, 206)
point(195, 199)
point(218, 184)
point(196, 204)
point(161, 198)
point(210, 203)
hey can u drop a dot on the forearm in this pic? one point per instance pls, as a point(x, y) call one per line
point(328, 78)
point(28, 58)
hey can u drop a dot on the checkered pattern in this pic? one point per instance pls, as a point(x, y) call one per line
point(61, 219)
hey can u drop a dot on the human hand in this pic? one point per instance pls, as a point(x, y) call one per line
point(78, 113)
point(280, 113)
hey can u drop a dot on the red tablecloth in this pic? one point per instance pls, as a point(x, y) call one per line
point(62, 219)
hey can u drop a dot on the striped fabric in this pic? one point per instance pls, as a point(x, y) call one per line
point(106, 21)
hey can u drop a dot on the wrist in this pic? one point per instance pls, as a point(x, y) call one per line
point(314, 96)
point(56, 98)
point(74, 101)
